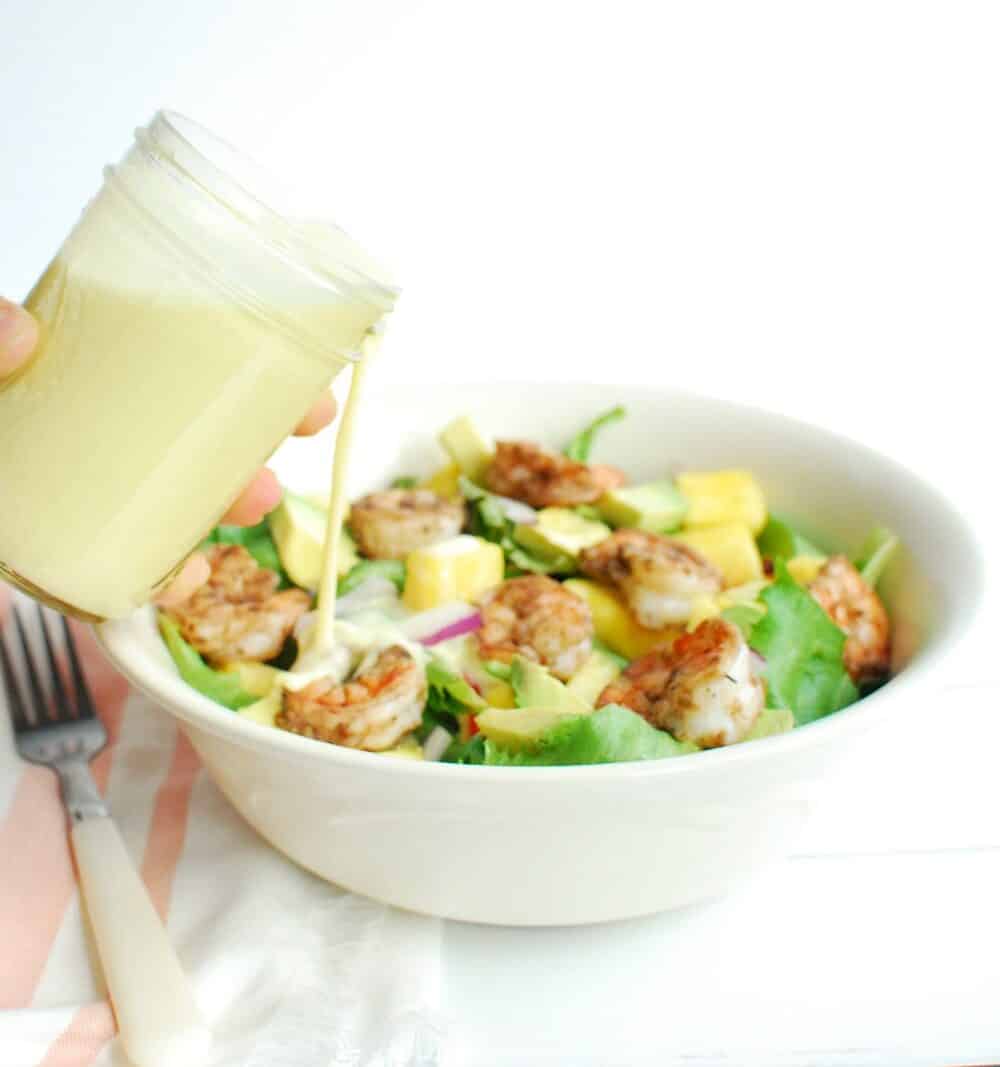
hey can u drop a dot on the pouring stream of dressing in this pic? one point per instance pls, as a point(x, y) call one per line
point(320, 643)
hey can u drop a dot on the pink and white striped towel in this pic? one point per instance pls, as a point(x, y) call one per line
point(290, 971)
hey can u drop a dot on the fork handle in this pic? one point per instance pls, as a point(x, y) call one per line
point(158, 1020)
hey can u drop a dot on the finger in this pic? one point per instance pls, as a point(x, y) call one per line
point(321, 414)
point(262, 495)
point(192, 576)
point(18, 336)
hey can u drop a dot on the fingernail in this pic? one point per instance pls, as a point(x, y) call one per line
point(18, 336)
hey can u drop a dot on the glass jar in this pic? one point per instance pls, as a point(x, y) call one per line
point(186, 327)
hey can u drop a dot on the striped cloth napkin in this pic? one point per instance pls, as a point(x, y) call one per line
point(290, 971)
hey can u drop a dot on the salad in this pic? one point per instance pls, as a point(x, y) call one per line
point(526, 606)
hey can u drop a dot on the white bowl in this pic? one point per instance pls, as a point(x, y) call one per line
point(529, 846)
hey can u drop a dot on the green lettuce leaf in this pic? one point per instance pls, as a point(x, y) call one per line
point(219, 686)
point(471, 751)
point(488, 520)
point(804, 652)
point(780, 540)
point(257, 540)
point(449, 695)
point(611, 735)
point(393, 569)
point(876, 554)
point(579, 448)
point(404, 481)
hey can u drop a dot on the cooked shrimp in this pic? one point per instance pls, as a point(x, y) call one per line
point(856, 608)
point(537, 618)
point(705, 689)
point(381, 702)
point(659, 578)
point(392, 523)
point(238, 614)
point(542, 478)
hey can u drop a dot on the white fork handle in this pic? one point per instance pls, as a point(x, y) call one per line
point(158, 1020)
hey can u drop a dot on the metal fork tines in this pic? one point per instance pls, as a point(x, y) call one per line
point(54, 724)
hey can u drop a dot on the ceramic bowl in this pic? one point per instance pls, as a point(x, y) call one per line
point(530, 846)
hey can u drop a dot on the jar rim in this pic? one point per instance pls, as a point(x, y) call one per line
point(249, 192)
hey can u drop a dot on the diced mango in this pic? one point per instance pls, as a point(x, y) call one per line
point(444, 482)
point(460, 568)
point(500, 695)
point(256, 678)
point(703, 607)
point(614, 624)
point(730, 547)
point(716, 497)
point(804, 569)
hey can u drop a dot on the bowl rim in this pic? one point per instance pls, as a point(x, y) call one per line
point(116, 638)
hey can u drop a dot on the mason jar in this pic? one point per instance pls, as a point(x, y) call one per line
point(187, 324)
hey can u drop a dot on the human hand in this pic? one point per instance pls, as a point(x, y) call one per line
point(18, 338)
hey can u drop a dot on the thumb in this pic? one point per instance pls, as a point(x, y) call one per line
point(18, 336)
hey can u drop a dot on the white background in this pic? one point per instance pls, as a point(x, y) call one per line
point(792, 204)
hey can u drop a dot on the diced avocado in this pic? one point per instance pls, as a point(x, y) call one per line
point(517, 729)
point(745, 615)
point(771, 721)
point(534, 687)
point(598, 670)
point(560, 531)
point(657, 506)
point(467, 447)
point(299, 528)
point(444, 482)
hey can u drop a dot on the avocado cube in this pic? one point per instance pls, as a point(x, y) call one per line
point(519, 729)
point(298, 526)
point(534, 687)
point(467, 447)
point(657, 506)
point(560, 531)
point(598, 671)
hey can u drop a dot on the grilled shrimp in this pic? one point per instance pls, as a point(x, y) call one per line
point(856, 608)
point(238, 614)
point(372, 710)
point(705, 689)
point(542, 478)
point(392, 523)
point(659, 578)
point(537, 618)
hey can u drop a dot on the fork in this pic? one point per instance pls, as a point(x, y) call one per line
point(158, 1020)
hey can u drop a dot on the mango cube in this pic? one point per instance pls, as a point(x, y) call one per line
point(256, 678)
point(731, 547)
point(804, 569)
point(614, 624)
point(460, 568)
point(717, 497)
point(500, 695)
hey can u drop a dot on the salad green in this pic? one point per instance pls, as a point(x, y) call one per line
point(688, 605)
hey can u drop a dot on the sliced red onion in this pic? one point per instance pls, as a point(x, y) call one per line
point(437, 743)
point(468, 625)
point(438, 624)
